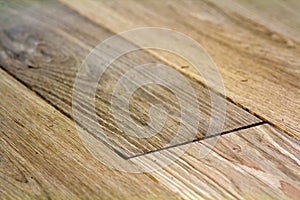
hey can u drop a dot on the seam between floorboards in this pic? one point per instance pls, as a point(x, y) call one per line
point(35, 92)
point(201, 139)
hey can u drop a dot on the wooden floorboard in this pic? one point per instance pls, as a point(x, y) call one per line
point(257, 52)
point(44, 50)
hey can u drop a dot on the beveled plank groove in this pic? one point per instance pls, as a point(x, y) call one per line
point(200, 139)
point(43, 47)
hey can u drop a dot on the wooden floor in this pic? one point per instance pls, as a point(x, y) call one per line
point(256, 46)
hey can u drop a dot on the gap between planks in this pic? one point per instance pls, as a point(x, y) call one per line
point(201, 139)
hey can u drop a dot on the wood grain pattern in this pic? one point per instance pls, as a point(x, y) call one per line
point(256, 163)
point(42, 156)
point(42, 45)
point(259, 64)
point(44, 49)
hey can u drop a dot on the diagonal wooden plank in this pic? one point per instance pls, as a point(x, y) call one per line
point(43, 44)
point(42, 157)
point(259, 63)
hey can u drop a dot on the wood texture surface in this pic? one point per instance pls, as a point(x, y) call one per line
point(42, 156)
point(42, 45)
point(256, 163)
point(44, 49)
point(259, 63)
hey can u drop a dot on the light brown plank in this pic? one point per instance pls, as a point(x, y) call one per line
point(43, 47)
point(259, 66)
point(42, 156)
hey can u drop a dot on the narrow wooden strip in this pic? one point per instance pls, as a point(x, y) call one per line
point(43, 46)
point(259, 66)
